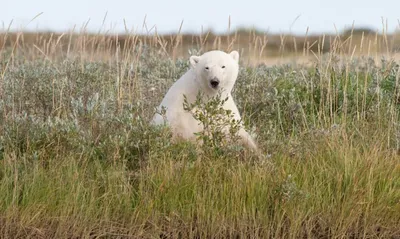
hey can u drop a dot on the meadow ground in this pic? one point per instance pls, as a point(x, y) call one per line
point(78, 158)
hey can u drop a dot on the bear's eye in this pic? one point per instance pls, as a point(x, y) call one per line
point(207, 68)
point(223, 67)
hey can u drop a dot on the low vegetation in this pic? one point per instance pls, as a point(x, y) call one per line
point(78, 157)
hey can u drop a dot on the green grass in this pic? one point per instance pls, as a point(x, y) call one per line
point(78, 157)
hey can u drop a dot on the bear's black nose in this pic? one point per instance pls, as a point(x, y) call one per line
point(214, 83)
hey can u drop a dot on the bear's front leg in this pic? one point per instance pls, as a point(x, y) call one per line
point(247, 140)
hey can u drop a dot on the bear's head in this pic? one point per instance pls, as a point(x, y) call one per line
point(216, 70)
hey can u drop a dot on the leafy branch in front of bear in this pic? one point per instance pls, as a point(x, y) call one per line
point(220, 128)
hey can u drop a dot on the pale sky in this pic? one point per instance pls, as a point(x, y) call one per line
point(278, 16)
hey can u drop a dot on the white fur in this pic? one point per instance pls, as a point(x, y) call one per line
point(209, 66)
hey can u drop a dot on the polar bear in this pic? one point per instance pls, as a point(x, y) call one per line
point(210, 73)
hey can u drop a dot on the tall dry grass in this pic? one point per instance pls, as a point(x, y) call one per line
point(79, 159)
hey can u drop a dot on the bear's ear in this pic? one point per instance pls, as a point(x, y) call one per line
point(194, 60)
point(235, 55)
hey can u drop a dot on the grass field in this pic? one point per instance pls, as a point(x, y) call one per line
point(78, 158)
